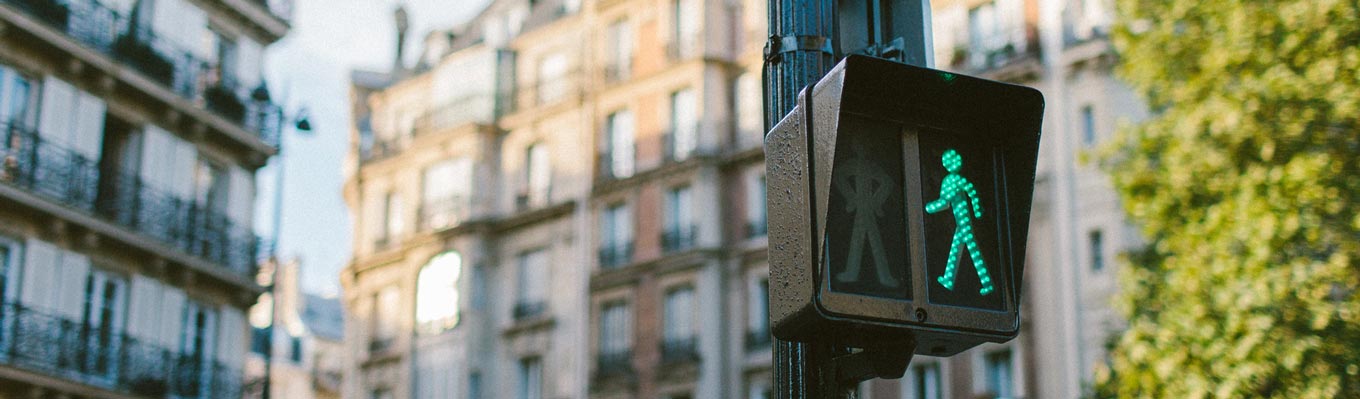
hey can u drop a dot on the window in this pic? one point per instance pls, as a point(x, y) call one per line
point(437, 295)
point(748, 109)
point(226, 59)
point(475, 385)
point(682, 140)
point(1096, 242)
point(210, 186)
point(618, 160)
point(615, 329)
point(533, 277)
point(619, 51)
point(9, 258)
point(537, 176)
point(386, 305)
point(678, 339)
point(102, 319)
point(381, 393)
point(18, 98)
point(758, 312)
point(531, 378)
point(999, 377)
point(925, 381)
point(616, 236)
point(552, 78)
point(982, 33)
point(1088, 125)
point(685, 23)
point(479, 292)
point(755, 206)
point(446, 193)
point(759, 390)
point(196, 346)
point(295, 349)
point(679, 233)
point(392, 223)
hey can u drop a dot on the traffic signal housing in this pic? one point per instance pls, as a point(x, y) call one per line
point(899, 201)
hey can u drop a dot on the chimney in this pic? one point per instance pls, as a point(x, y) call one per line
point(402, 25)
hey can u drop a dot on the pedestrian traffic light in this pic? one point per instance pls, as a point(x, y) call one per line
point(899, 204)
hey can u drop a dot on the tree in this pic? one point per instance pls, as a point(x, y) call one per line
point(1246, 182)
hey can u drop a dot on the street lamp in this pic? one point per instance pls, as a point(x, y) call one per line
point(302, 124)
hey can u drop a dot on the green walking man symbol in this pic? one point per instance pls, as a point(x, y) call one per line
point(957, 192)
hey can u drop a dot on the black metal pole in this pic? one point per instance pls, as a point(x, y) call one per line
point(800, 52)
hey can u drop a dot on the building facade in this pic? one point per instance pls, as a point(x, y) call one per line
point(303, 353)
point(651, 228)
point(132, 131)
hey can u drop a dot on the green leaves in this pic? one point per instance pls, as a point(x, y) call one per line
point(1247, 184)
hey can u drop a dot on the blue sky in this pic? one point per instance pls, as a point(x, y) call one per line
point(310, 68)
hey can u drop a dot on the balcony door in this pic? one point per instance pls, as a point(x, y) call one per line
point(210, 205)
point(193, 364)
point(101, 325)
point(119, 166)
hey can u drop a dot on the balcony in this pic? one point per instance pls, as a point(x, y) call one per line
point(70, 350)
point(442, 213)
point(161, 61)
point(757, 340)
point(678, 238)
point(616, 255)
point(533, 198)
point(68, 178)
point(676, 150)
point(756, 228)
point(471, 109)
point(610, 168)
point(526, 310)
point(613, 365)
point(680, 350)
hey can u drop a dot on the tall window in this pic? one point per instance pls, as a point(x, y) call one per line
point(474, 385)
point(537, 176)
point(619, 142)
point(748, 109)
point(755, 206)
point(1096, 243)
point(226, 59)
point(531, 378)
point(210, 186)
point(101, 320)
point(532, 296)
point(925, 381)
point(9, 258)
point(680, 144)
point(437, 294)
point(678, 324)
point(999, 374)
point(479, 291)
point(387, 303)
point(1088, 125)
point(615, 329)
point(295, 349)
point(758, 313)
point(392, 225)
point(685, 24)
point(552, 78)
point(446, 193)
point(18, 99)
point(196, 344)
point(619, 50)
point(679, 233)
point(616, 236)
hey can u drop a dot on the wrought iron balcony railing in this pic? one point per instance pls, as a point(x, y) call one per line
point(59, 174)
point(758, 340)
point(443, 212)
point(127, 39)
point(525, 310)
point(756, 228)
point(673, 150)
point(102, 357)
point(614, 364)
point(678, 238)
point(611, 168)
point(680, 350)
point(613, 256)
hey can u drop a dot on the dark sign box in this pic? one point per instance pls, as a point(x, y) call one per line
point(871, 138)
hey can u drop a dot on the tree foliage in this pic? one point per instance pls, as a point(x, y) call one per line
point(1246, 182)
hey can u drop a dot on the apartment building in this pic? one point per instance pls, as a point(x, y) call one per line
point(132, 131)
point(467, 190)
